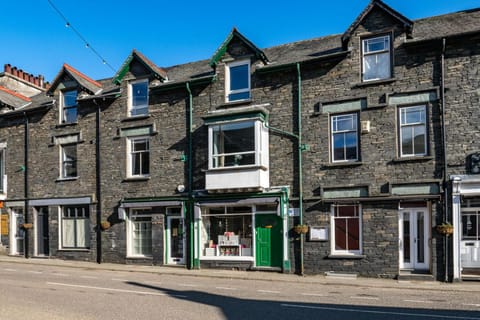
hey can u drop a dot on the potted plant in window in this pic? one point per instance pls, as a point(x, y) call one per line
point(445, 228)
point(26, 226)
point(301, 228)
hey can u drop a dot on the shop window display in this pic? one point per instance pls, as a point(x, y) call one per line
point(227, 232)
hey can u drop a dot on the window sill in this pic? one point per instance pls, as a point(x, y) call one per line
point(135, 118)
point(374, 83)
point(74, 249)
point(66, 179)
point(235, 103)
point(134, 179)
point(238, 168)
point(343, 164)
point(347, 256)
point(66, 124)
point(412, 159)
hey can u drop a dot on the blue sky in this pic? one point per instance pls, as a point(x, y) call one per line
point(36, 40)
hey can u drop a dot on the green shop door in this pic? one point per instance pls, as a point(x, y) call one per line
point(268, 233)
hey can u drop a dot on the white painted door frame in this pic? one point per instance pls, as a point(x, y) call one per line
point(418, 242)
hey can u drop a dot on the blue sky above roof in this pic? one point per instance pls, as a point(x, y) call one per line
point(169, 33)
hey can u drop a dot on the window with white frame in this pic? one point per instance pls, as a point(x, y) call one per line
point(377, 63)
point(237, 81)
point(237, 144)
point(138, 156)
point(68, 158)
point(413, 131)
point(346, 221)
point(344, 137)
point(68, 106)
point(75, 227)
point(138, 98)
point(139, 235)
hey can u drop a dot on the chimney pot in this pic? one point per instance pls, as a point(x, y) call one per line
point(8, 68)
point(15, 71)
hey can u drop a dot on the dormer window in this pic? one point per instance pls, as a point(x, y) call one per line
point(377, 63)
point(237, 81)
point(138, 98)
point(68, 106)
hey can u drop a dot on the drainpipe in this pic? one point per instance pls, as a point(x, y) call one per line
point(444, 142)
point(300, 160)
point(98, 191)
point(25, 183)
point(192, 263)
point(300, 164)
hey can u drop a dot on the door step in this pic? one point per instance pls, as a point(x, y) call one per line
point(415, 275)
point(272, 269)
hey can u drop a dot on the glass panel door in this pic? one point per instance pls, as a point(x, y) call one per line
point(414, 248)
point(175, 240)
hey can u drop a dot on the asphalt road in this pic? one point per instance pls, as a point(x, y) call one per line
point(48, 292)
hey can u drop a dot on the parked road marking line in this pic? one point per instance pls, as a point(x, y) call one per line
point(113, 290)
point(122, 280)
point(88, 277)
point(314, 294)
point(10, 270)
point(365, 298)
point(226, 288)
point(268, 291)
point(35, 272)
point(471, 304)
point(418, 301)
point(380, 312)
point(188, 285)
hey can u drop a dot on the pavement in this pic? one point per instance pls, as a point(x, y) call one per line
point(336, 280)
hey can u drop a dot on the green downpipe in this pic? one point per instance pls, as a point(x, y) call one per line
point(192, 262)
point(300, 164)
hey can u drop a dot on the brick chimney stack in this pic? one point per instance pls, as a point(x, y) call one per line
point(37, 81)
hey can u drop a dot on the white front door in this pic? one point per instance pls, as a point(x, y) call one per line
point(414, 230)
point(17, 233)
point(175, 240)
point(470, 238)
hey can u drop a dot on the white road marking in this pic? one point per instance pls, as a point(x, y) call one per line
point(60, 274)
point(226, 288)
point(10, 270)
point(35, 272)
point(471, 304)
point(114, 290)
point(88, 277)
point(380, 312)
point(268, 291)
point(365, 298)
point(122, 280)
point(314, 294)
point(188, 285)
point(418, 301)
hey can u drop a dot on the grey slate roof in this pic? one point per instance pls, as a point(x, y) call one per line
point(447, 25)
point(13, 99)
point(91, 85)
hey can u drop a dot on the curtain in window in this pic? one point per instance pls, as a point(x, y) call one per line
point(68, 233)
point(376, 66)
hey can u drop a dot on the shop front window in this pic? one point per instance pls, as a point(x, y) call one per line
point(227, 232)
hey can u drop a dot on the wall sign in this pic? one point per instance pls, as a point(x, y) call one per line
point(318, 234)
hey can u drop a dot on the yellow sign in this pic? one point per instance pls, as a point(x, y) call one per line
point(4, 224)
